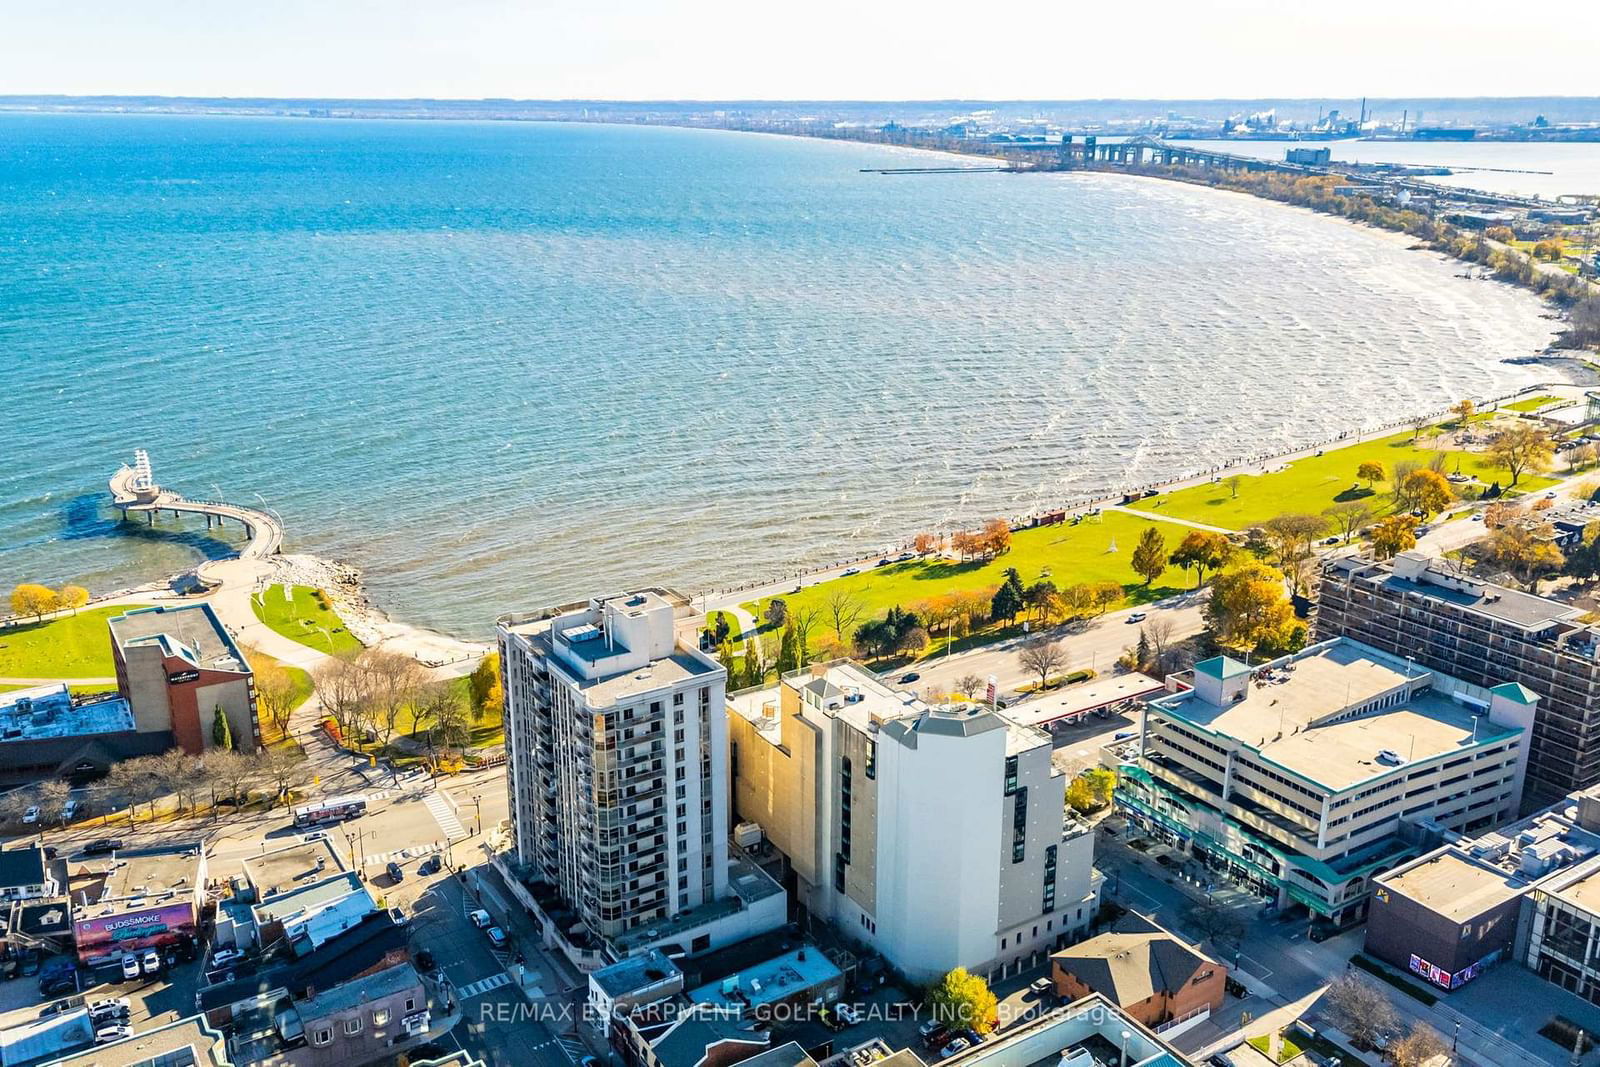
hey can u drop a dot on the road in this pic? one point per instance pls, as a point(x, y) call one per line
point(1095, 647)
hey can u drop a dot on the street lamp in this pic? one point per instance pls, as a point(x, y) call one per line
point(477, 810)
point(1455, 1039)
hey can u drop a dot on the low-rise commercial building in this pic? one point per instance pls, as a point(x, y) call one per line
point(934, 835)
point(619, 988)
point(26, 874)
point(1090, 1032)
point(186, 1042)
point(776, 989)
point(1299, 777)
point(1484, 634)
point(178, 667)
point(142, 898)
point(46, 732)
point(1149, 973)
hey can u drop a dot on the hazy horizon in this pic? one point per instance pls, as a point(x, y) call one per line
point(715, 50)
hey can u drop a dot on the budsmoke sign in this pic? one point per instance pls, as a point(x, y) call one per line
point(113, 931)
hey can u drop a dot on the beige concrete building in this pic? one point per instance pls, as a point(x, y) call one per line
point(1297, 777)
point(934, 835)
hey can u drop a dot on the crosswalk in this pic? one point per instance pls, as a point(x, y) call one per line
point(399, 855)
point(445, 816)
point(482, 986)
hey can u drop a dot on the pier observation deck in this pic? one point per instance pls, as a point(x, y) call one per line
point(134, 489)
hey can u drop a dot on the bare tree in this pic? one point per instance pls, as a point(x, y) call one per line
point(233, 774)
point(184, 776)
point(1158, 635)
point(284, 769)
point(1349, 516)
point(344, 689)
point(805, 620)
point(1359, 1009)
point(1042, 656)
point(968, 684)
point(396, 680)
point(52, 794)
point(1421, 1045)
point(13, 803)
point(276, 694)
point(138, 781)
point(1212, 920)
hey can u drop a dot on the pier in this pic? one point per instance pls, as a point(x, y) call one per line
point(134, 489)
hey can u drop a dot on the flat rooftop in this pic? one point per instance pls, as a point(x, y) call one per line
point(135, 879)
point(1278, 717)
point(774, 980)
point(285, 868)
point(309, 897)
point(747, 883)
point(181, 1043)
point(192, 631)
point(1436, 581)
point(1457, 886)
point(46, 711)
point(855, 695)
point(761, 707)
point(1075, 700)
point(1583, 892)
point(681, 666)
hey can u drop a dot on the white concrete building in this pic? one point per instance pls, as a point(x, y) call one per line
point(937, 836)
point(617, 749)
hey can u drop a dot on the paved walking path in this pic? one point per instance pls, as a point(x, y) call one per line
point(1154, 516)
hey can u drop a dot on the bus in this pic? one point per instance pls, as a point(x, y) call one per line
point(334, 809)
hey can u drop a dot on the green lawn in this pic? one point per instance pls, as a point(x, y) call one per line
point(1066, 554)
point(1316, 482)
point(1287, 1052)
point(77, 646)
point(1532, 403)
point(302, 619)
point(485, 732)
point(76, 690)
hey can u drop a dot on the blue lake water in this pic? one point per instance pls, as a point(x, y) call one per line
point(501, 365)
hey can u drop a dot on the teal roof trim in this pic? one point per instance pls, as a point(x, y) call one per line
point(1221, 667)
point(1515, 691)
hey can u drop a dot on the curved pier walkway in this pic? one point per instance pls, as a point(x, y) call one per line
point(134, 490)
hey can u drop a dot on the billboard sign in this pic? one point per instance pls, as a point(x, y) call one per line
point(129, 930)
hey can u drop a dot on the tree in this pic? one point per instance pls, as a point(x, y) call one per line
point(1157, 635)
point(1550, 250)
point(1358, 1008)
point(1521, 450)
point(1105, 595)
point(1527, 549)
point(925, 544)
point(1233, 481)
point(482, 684)
point(51, 796)
point(1394, 535)
point(844, 608)
point(184, 776)
point(1007, 603)
point(1200, 551)
point(396, 679)
point(1150, 555)
point(1418, 424)
point(996, 537)
point(72, 597)
point(286, 769)
point(1583, 561)
point(1041, 598)
point(1403, 469)
point(1428, 491)
point(1092, 789)
point(788, 650)
point(968, 684)
point(35, 600)
point(1042, 657)
point(1211, 920)
point(1499, 514)
point(777, 613)
point(1248, 608)
point(1581, 457)
point(1370, 472)
point(1350, 516)
point(1503, 234)
point(344, 689)
point(233, 773)
point(276, 693)
point(964, 999)
point(1293, 539)
point(1420, 1047)
point(805, 620)
point(221, 732)
point(1463, 410)
point(139, 780)
point(721, 627)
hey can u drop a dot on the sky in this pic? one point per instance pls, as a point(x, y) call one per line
point(821, 49)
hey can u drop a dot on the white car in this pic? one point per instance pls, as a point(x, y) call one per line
point(481, 920)
point(115, 1032)
point(111, 1008)
point(130, 966)
point(151, 961)
point(497, 936)
point(31, 815)
point(224, 956)
point(69, 810)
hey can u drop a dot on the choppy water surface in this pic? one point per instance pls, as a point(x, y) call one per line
point(500, 365)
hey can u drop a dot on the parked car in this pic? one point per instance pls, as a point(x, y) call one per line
point(1040, 986)
point(1331, 540)
point(1137, 616)
point(395, 873)
point(425, 962)
point(1123, 735)
point(884, 562)
point(960, 1044)
point(902, 557)
point(59, 1006)
point(32, 814)
point(151, 961)
point(848, 571)
point(69, 810)
point(481, 920)
point(1477, 516)
point(224, 956)
point(54, 985)
point(929, 1028)
point(909, 677)
point(112, 1032)
point(101, 846)
point(847, 1014)
point(497, 936)
point(110, 1006)
point(431, 865)
point(130, 967)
